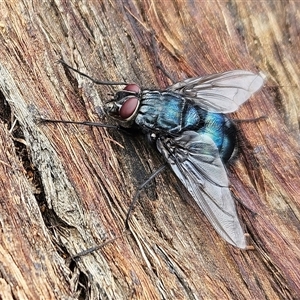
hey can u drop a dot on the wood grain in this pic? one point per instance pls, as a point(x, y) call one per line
point(66, 188)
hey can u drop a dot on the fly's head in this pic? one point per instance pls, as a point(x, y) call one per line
point(125, 104)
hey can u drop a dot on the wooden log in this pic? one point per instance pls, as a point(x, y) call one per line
point(66, 188)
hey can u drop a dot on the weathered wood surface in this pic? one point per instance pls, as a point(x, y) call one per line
point(67, 188)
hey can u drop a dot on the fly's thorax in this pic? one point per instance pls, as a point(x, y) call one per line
point(162, 111)
point(125, 105)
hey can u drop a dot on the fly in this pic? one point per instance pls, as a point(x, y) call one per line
point(187, 122)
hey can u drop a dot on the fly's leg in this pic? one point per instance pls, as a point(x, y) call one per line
point(125, 130)
point(96, 81)
point(253, 213)
point(250, 120)
point(154, 45)
point(138, 191)
point(158, 63)
point(86, 123)
point(43, 120)
point(95, 248)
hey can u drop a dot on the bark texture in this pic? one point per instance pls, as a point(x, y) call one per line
point(66, 188)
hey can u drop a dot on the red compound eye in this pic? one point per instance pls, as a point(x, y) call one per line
point(129, 107)
point(132, 88)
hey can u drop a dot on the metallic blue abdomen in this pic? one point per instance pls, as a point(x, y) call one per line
point(169, 112)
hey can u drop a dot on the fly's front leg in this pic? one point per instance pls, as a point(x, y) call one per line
point(96, 81)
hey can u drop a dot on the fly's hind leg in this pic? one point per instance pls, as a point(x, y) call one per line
point(138, 191)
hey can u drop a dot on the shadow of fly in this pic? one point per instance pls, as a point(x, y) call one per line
point(187, 122)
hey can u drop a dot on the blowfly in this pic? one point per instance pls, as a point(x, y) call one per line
point(187, 123)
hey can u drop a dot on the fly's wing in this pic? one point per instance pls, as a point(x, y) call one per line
point(221, 93)
point(195, 160)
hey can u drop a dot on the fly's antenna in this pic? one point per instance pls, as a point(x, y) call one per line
point(90, 78)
